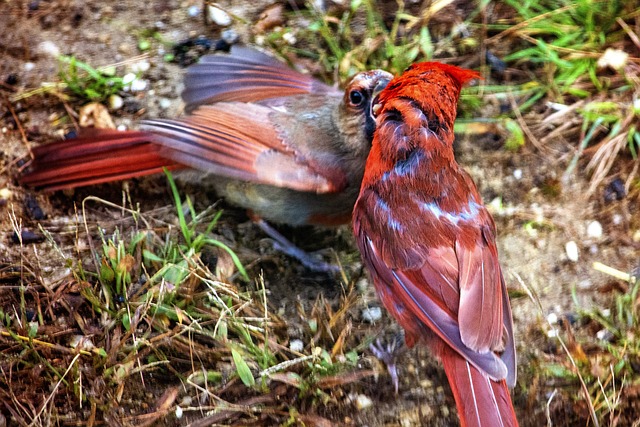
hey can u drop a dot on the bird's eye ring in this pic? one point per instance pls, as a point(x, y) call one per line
point(356, 98)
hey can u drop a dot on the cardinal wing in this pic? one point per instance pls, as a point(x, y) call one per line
point(243, 141)
point(245, 75)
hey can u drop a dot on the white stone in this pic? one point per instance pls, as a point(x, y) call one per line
point(571, 248)
point(594, 230)
point(372, 314)
point(296, 345)
point(48, 47)
point(138, 85)
point(193, 11)
point(219, 16)
point(164, 103)
point(613, 58)
point(115, 102)
point(517, 174)
point(140, 67)
point(363, 402)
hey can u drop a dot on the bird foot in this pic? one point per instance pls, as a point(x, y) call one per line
point(285, 246)
point(388, 352)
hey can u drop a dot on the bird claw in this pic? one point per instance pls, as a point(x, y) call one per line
point(388, 353)
point(282, 244)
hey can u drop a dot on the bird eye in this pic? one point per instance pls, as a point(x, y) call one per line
point(356, 98)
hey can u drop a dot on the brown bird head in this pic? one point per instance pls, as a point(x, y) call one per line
point(355, 108)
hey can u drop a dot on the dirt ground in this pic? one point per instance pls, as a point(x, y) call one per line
point(523, 188)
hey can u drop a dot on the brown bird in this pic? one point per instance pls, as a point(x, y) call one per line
point(267, 138)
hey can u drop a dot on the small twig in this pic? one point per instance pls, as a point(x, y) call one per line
point(621, 275)
point(633, 36)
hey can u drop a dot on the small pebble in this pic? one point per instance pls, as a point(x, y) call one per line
point(82, 341)
point(571, 248)
point(115, 102)
point(121, 127)
point(26, 237)
point(164, 103)
point(363, 402)
point(362, 285)
point(230, 36)
point(290, 38)
point(128, 78)
point(48, 47)
point(193, 11)
point(604, 335)
point(28, 66)
point(606, 312)
point(179, 412)
point(616, 219)
point(6, 194)
point(33, 209)
point(140, 67)
point(219, 16)
point(139, 85)
point(585, 284)
point(517, 174)
point(372, 314)
point(296, 345)
point(594, 230)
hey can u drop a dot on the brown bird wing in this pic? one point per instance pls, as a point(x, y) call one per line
point(245, 75)
point(422, 296)
point(243, 141)
point(98, 156)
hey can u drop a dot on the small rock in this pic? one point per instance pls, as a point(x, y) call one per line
point(33, 209)
point(138, 85)
point(230, 36)
point(594, 230)
point(6, 194)
point(290, 38)
point(164, 103)
point(296, 345)
point(363, 402)
point(604, 335)
point(28, 66)
point(571, 248)
point(115, 102)
point(49, 48)
point(81, 341)
point(517, 174)
point(179, 412)
point(219, 16)
point(26, 237)
point(362, 285)
point(372, 314)
point(616, 219)
point(613, 58)
point(193, 11)
point(615, 190)
point(140, 67)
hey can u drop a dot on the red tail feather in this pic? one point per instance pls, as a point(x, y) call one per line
point(481, 402)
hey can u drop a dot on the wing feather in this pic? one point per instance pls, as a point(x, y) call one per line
point(246, 75)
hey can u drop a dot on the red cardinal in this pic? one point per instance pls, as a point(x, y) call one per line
point(430, 244)
point(267, 138)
